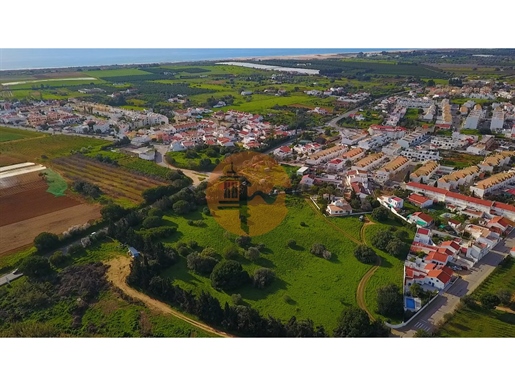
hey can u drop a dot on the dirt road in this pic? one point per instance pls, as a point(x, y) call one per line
point(360, 292)
point(117, 273)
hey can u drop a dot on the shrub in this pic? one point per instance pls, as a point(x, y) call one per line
point(206, 211)
point(263, 277)
point(151, 222)
point(155, 212)
point(303, 224)
point(365, 254)
point(380, 214)
point(231, 253)
point(327, 255)
point(318, 249)
point(35, 267)
point(200, 264)
point(236, 299)
point(193, 244)
point(390, 301)
point(291, 243)
point(489, 301)
point(46, 241)
point(75, 249)
point(58, 259)
point(252, 254)
point(243, 241)
point(208, 251)
point(183, 250)
point(504, 296)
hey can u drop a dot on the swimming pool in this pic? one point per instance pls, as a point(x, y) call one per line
point(410, 303)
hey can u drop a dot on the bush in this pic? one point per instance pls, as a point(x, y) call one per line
point(327, 255)
point(35, 267)
point(401, 234)
point(200, 264)
point(252, 254)
point(303, 224)
point(206, 211)
point(231, 253)
point(183, 250)
point(58, 259)
point(381, 239)
point(263, 277)
point(489, 301)
point(228, 275)
point(468, 301)
point(151, 222)
point(291, 243)
point(243, 241)
point(45, 242)
point(208, 252)
point(397, 248)
point(390, 301)
point(365, 254)
point(318, 249)
point(504, 296)
point(236, 299)
point(75, 249)
point(380, 214)
point(193, 244)
point(155, 212)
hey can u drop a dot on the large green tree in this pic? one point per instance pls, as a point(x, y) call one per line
point(354, 323)
point(390, 301)
point(35, 267)
point(45, 242)
point(228, 275)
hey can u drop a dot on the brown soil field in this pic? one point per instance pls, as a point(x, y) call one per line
point(6, 160)
point(32, 201)
point(16, 235)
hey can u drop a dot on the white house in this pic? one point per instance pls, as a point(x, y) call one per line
point(391, 201)
point(339, 207)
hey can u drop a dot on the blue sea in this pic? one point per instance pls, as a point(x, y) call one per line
point(24, 58)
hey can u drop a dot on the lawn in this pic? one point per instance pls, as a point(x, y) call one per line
point(306, 286)
point(390, 271)
point(479, 322)
point(459, 160)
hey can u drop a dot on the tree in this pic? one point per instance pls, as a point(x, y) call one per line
point(243, 241)
point(263, 277)
point(181, 207)
point(355, 323)
point(318, 249)
point(489, 301)
point(396, 248)
point(504, 296)
point(390, 301)
point(46, 241)
point(380, 214)
point(365, 254)
point(112, 212)
point(291, 243)
point(401, 234)
point(57, 259)
point(381, 240)
point(231, 252)
point(252, 254)
point(151, 222)
point(200, 264)
point(35, 267)
point(228, 275)
point(416, 290)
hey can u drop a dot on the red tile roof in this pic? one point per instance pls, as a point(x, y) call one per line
point(437, 256)
point(444, 274)
point(425, 217)
point(418, 199)
point(423, 231)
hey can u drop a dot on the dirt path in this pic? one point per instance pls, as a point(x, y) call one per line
point(117, 273)
point(360, 292)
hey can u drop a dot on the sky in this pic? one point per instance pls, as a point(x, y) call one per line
point(262, 24)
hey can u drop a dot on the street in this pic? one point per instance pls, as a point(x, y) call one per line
point(469, 281)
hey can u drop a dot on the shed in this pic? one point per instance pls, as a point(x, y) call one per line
point(133, 252)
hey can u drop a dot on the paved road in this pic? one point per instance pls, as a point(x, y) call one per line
point(447, 302)
point(9, 278)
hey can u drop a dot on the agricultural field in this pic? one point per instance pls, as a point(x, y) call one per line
point(479, 322)
point(115, 182)
point(7, 134)
point(40, 149)
point(306, 286)
point(121, 72)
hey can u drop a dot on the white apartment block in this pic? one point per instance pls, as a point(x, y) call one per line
point(413, 139)
point(392, 149)
point(393, 132)
point(497, 120)
point(374, 141)
point(493, 183)
point(496, 160)
point(421, 155)
point(414, 102)
point(445, 143)
point(473, 119)
point(353, 139)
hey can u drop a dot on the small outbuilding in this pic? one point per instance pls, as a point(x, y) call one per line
point(133, 252)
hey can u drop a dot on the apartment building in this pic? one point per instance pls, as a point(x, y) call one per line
point(497, 121)
point(353, 154)
point(391, 168)
point(496, 160)
point(326, 155)
point(393, 132)
point(375, 141)
point(425, 172)
point(370, 162)
point(458, 177)
point(493, 183)
point(421, 155)
point(413, 139)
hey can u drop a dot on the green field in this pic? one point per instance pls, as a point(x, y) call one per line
point(7, 134)
point(48, 147)
point(479, 322)
point(306, 286)
point(117, 72)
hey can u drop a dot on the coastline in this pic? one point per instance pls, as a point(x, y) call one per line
point(239, 58)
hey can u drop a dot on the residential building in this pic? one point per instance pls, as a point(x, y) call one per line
point(420, 201)
point(421, 219)
point(496, 160)
point(284, 152)
point(353, 154)
point(423, 236)
point(425, 172)
point(500, 225)
point(392, 132)
point(360, 176)
point(375, 141)
point(459, 177)
point(353, 139)
point(339, 207)
point(370, 162)
point(413, 139)
point(392, 149)
point(493, 183)
point(445, 143)
point(325, 155)
point(497, 121)
point(391, 201)
point(391, 168)
point(421, 155)
point(439, 278)
point(335, 165)
point(473, 118)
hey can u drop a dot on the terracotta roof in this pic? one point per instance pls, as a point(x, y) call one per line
point(437, 256)
point(425, 217)
point(423, 231)
point(444, 274)
point(418, 199)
